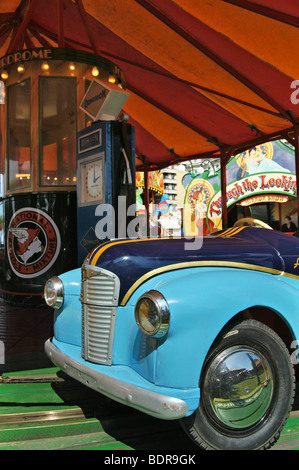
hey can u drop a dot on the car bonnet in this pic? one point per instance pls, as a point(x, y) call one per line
point(242, 247)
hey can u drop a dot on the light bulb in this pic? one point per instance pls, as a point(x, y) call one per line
point(21, 68)
point(111, 79)
point(45, 66)
point(95, 71)
point(4, 75)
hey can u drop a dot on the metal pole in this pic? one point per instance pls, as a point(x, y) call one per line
point(296, 146)
point(146, 201)
point(223, 161)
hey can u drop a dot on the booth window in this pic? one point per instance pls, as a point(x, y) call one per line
point(57, 111)
point(2, 160)
point(18, 135)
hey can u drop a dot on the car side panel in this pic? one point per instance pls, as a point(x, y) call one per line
point(201, 302)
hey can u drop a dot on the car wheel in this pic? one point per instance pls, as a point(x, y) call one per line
point(247, 390)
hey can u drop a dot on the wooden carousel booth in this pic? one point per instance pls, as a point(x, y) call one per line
point(39, 118)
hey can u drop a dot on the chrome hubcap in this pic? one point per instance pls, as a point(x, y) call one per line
point(240, 387)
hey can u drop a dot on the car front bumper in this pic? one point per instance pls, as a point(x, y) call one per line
point(148, 401)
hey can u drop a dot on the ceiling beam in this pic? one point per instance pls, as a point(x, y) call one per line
point(28, 41)
point(192, 84)
point(20, 31)
point(7, 17)
point(54, 37)
point(60, 24)
point(89, 30)
point(43, 41)
point(266, 11)
point(5, 30)
point(170, 113)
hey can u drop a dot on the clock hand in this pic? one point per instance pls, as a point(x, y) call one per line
point(96, 179)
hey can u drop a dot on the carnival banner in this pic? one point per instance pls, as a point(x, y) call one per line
point(265, 170)
point(258, 184)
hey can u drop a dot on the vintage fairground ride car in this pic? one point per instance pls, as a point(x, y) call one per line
point(206, 334)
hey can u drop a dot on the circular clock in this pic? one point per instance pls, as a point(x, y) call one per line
point(91, 180)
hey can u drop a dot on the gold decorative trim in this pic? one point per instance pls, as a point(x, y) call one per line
point(230, 232)
point(117, 242)
point(192, 264)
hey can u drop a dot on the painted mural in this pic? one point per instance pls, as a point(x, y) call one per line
point(265, 173)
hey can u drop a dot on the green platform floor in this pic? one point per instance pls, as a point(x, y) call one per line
point(69, 416)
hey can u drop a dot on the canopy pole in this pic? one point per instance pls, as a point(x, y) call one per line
point(296, 146)
point(146, 200)
point(223, 162)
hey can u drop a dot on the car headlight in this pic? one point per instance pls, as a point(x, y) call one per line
point(54, 292)
point(152, 314)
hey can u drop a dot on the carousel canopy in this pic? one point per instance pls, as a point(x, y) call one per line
point(205, 77)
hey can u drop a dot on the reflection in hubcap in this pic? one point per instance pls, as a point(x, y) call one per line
point(240, 387)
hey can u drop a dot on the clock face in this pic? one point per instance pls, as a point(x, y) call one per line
point(91, 180)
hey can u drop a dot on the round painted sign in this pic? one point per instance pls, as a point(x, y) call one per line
point(33, 242)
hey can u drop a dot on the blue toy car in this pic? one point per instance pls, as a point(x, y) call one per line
point(207, 336)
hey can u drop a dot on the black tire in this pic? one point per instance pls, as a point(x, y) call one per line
point(247, 391)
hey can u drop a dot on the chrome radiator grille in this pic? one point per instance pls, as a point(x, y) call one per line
point(99, 298)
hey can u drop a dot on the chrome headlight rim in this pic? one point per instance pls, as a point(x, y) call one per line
point(162, 310)
point(54, 292)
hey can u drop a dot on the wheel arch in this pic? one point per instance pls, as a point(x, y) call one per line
point(272, 319)
point(266, 315)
